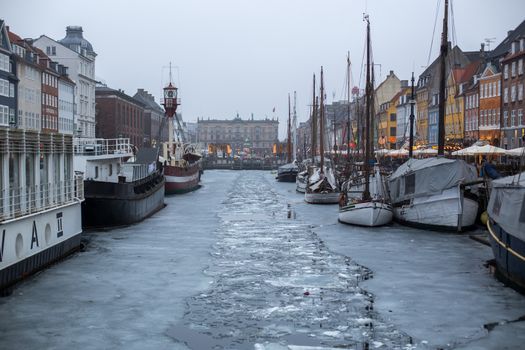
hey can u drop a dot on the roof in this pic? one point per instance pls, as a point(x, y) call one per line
point(74, 40)
point(148, 100)
point(504, 47)
point(102, 91)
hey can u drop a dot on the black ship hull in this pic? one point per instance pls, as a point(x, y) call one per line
point(118, 204)
point(509, 253)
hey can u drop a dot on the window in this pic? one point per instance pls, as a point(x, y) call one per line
point(4, 88)
point(53, 50)
point(513, 93)
point(520, 66)
point(506, 95)
point(11, 90)
point(521, 121)
point(96, 172)
point(520, 92)
point(512, 117)
point(392, 117)
point(513, 69)
point(505, 118)
point(506, 71)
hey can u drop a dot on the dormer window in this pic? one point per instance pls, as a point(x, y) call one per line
point(514, 47)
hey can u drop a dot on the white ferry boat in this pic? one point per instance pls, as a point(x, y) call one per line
point(40, 195)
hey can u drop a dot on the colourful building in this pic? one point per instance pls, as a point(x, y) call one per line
point(490, 105)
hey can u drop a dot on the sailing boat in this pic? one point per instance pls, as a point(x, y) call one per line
point(369, 210)
point(321, 187)
point(288, 172)
point(434, 192)
point(302, 176)
point(182, 163)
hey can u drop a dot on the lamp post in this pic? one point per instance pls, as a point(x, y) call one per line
point(412, 117)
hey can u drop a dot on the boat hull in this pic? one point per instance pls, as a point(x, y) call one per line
point(368, 214)
point(30, 243)
point(321, 197)
point(181, 179)
point(286, 177)
point(509, 253)
point(448, 211)
point(118, 204)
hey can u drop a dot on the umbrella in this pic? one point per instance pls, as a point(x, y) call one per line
point(382, 152)
point(476, 149)
point(426, 151)
point(399, 152)
point(516, 152)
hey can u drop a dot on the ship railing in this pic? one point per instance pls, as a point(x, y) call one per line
point(21, 201)
point(99, 146)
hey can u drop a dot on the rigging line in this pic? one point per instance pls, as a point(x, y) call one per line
point(433, 32)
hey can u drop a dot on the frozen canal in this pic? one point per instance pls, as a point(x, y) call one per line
point(244, 263)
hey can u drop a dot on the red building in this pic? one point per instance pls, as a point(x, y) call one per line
point(50, 78)
point(119, 115)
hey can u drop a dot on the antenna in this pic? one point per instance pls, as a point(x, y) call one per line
point(170, 72)
point(488, 41)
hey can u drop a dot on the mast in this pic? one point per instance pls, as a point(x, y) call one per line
point(411, 136)
point(321, 123)
point(294, 127)
point(348, 108)
point(289, 144)
point(442, 81)
point(368, 93)
point(314, 125)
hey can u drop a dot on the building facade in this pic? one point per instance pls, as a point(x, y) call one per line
point(155, 127)
point(119, 115)
point(490, 105)
point(403, 116)
point(471, 112)
point(77, 53)
point(8, 80)
point(29, 85)
point(237, 135)
point(513, 80)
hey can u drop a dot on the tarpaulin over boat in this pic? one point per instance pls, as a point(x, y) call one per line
point(507, 204)
point(423, 177)
point(317, 180)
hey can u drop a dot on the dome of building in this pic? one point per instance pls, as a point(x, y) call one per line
point(75, 41)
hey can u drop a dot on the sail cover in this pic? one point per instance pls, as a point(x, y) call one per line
point(507, 204)
point(423, 177)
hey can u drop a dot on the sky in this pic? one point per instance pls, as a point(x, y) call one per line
point(245, 56)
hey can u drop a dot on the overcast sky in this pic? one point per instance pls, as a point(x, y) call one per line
point(245, 56)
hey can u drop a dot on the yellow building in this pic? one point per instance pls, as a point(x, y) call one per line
point(387, 125)
point(422, 116)
point(454, 109)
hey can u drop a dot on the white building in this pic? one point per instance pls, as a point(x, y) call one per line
point(66, 106)
point(77, 54)
point(29, 84)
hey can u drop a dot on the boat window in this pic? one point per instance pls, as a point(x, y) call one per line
point(110, 169)
point(96, 172)
point(410, 184)
point(522, 214)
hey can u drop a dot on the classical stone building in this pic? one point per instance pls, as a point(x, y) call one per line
point(238, 135)
point(75, 52)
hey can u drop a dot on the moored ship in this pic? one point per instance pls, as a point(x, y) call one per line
point(40, 196)
point(506, 221)
point(120, 187)
point(182, 163)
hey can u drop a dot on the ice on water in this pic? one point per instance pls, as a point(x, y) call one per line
point(277, 286)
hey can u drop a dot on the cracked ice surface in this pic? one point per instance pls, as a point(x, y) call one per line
point(275, 284)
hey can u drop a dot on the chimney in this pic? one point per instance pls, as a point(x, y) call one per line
point(509, 33)
point(482, 49)
point(391, 73)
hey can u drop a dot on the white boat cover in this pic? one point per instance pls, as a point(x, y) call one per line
point(288, 167)
point(423, 177)
point(316, 180)
point(507, 204)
